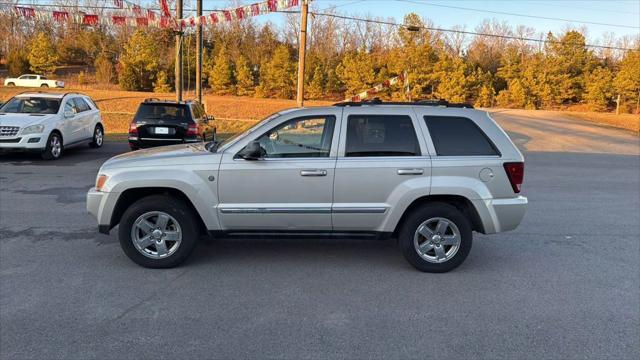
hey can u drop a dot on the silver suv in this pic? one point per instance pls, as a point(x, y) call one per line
point(427, 174)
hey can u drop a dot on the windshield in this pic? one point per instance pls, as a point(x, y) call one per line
point(169, 112)
point(31, 105)
point(231, 139)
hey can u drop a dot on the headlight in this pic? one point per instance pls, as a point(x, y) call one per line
point(100, 180)
point(33, 129)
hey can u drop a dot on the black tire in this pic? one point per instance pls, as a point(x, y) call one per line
point(44, 86)
point(98, 137)
point(432, 211)
point(51, 152)
point(11, 84)
point(174, 207)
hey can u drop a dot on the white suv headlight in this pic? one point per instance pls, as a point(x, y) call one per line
point(33, 129)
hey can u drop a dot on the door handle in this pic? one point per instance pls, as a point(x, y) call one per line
point(410, 171)
point(313, 172)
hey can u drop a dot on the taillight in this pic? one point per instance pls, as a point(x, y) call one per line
point(133, 128)
point(515, 173)
point(192, 129)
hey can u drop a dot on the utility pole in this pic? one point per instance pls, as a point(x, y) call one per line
point(178, 71)
point(199, 54)
point(304, 12)
point(618, 105)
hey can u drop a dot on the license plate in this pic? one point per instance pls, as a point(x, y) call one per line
point(162, 130)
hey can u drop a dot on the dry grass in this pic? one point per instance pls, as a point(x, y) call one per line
point(233, 113)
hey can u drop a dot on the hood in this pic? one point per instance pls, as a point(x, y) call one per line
point(23, 120)
point(183, 154)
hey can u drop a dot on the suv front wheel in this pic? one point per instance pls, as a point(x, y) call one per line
point(436, 238)
point(158, 231)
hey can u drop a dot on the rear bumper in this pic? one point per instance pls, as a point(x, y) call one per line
point(100, 205)
point(498, 215)
point(147, 142)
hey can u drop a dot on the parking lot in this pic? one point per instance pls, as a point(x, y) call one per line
point(565, 284)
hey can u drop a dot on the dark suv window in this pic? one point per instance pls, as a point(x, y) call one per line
point(381, 135)
point(458, 136)
point(170, 113)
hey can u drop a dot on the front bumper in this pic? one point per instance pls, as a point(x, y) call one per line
point(498, 215)
point(100, 205)
point(31, 142)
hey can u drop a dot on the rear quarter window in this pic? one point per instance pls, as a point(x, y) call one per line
point(459, 136)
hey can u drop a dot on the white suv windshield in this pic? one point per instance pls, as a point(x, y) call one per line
point(31, 105)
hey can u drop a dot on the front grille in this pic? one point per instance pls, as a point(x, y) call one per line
point(16, 140)
point(9, 130)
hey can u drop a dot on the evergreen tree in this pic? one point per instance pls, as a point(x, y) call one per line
point(221, 75)
point(105, 71)
point(277, 76)
point(245, 84)
point(139, 62)
point(17, 63)
point(599, 89)
point(627, 81)
point(317, 84)
point(356, 71)
point(452, 80)
point(43, 57)
point(162, 84)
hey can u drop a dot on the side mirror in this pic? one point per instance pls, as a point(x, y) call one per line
point(253, 151)
point(69, 114)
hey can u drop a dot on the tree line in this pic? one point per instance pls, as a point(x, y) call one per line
point(344, 57)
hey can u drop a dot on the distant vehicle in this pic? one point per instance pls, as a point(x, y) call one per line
point(32, 80)
point(165, 122)
point(428, 174)
point(49, 123)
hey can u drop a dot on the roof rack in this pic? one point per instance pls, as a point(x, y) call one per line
point(377, 101)
point(188, 101)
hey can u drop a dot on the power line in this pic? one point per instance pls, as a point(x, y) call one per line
point(511, 37)
point(520, 15)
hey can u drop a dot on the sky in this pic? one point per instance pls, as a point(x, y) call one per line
point(615, 12)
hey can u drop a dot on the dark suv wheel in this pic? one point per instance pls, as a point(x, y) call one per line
point(158, 231)
point(435, 238)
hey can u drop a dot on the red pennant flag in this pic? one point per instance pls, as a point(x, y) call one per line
point(272, 5)
point(240, 13)
point(164, 8)
point(118, 20)
point(183, 23)
point(137, 10)
point(60, 16)
point(203, 20)
point(165, 21)
point(192, 21)
point(214, 18)
point(151, 15)
point(89, 19)
point(142, 21)
point(26, 12)
point(227, 15)
point(118, 3)
point(255, 9)
point(293, 3)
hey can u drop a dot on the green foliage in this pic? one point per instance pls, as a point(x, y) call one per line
point(43, 57)
point(221, 74)
point(317, 85)
point(277, 76)
point(453, 83)
point(599, 89)
point(162, 84)
point(356, 71)
point(244, 77)
point(627, 81)
point(139, 62)
point(17, 63)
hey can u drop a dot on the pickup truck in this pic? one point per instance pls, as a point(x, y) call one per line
point(31, 80)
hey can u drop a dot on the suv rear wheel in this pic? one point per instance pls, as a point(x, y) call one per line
point(436, 238)
point(98, 137)
point(158, 231)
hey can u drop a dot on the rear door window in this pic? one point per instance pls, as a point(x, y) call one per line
point(381, 135)
point(459, 136)
point(169, 113)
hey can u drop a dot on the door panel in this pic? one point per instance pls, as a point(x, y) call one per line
point(369, 178)
point(291, 188)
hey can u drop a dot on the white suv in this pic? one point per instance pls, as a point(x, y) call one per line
point(427, 174)
point(47, 123)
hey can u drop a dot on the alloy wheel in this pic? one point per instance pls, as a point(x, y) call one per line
point(156, 234)
point(437, 240)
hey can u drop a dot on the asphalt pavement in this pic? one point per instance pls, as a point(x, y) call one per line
point(564, 285)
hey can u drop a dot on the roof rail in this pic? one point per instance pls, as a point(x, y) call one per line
point(377, 101)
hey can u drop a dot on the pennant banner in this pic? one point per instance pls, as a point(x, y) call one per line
point(242, 12)
point(377, 88)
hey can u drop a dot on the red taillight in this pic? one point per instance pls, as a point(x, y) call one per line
point(515, 173)
point(192, 129)
point(133, 128)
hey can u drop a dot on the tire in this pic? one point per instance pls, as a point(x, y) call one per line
point(53, 150)
point(428, 252)
point(44, 86)
point(98, 137)
point(11, 84)
point(181, 220)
